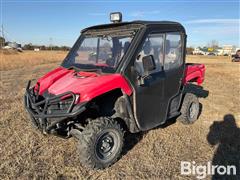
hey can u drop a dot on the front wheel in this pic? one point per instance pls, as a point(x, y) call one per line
point(190, 109)
point(100, 143)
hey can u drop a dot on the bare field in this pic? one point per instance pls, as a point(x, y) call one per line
point(156, 154)
point(24, 59)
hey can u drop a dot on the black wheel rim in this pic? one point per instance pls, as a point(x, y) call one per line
point(107, 145)
point(193, 110)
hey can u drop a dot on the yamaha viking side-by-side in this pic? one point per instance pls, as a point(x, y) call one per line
point(123, 76)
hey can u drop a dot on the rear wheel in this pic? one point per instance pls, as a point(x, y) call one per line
point(100, 143)
point(190, 109)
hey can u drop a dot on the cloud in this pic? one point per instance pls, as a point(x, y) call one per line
point(230, 30)
point(144, 13)
point(224, 34)
point(213, 21)
point(218, 28)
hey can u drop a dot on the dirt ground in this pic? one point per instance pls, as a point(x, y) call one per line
point(156, 154)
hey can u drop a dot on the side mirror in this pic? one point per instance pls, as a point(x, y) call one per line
point(148, 63)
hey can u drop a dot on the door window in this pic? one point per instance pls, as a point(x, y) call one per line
point(173, 51)
point(153, 45)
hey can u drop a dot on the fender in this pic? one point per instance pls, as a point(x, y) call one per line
point(194, 73)
point(124, 111)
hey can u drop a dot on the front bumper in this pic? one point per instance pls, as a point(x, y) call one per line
point(50, 110)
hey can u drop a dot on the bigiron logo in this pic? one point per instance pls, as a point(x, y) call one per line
point(200, 171)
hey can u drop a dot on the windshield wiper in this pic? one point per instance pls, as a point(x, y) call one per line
point(99, 70)
point(74, 68)
point(95, 69)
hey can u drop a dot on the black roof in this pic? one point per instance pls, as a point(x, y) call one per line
point(165, 24)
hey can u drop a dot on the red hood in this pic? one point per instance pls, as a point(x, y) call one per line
point(88, 85)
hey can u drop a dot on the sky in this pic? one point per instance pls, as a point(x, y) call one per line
point(59, 22)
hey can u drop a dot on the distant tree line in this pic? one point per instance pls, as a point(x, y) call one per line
point(211, 46)
point(189, 50)
point(30, 46)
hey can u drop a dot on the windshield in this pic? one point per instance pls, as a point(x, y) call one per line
point(101, 52)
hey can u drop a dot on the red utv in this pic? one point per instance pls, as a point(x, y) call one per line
point(124, 76)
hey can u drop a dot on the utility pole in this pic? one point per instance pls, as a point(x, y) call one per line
point(50, 41)
point(2, 31)
point(3, 41)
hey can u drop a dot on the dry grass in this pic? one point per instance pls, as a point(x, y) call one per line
point(156, 154)
point(13, 60)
